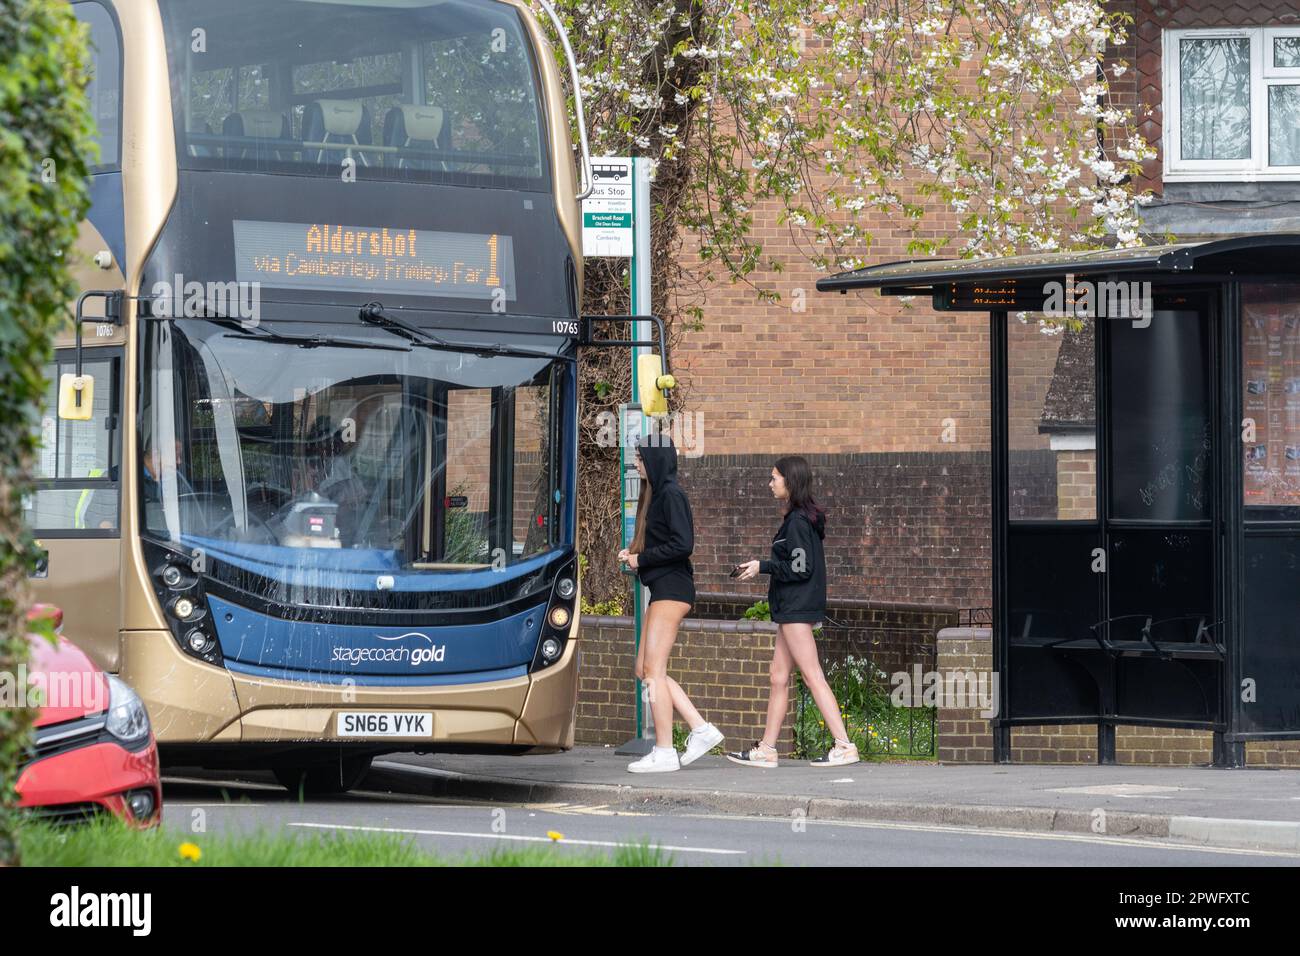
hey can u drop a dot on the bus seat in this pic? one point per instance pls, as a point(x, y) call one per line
point(259, 125)
point(346, 122)
point(420, 127)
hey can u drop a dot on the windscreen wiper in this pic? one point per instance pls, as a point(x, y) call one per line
point(280, 338)
point(372, 313)
point(314, 341)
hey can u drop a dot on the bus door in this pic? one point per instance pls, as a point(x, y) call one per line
point(75, 509)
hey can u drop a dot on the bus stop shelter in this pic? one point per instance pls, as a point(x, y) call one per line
point(1145, 483)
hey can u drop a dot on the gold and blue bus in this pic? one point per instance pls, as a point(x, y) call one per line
point(308, 482)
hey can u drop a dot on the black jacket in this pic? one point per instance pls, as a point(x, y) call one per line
point(797, 589)
point(669, 525)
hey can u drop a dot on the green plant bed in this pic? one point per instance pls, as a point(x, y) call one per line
point(108, 842)
point(880, 729)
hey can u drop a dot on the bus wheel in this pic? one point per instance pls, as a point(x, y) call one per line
point(337, 776)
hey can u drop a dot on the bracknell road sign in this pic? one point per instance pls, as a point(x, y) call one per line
point(607, 212)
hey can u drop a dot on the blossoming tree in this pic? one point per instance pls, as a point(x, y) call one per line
point(997, 114)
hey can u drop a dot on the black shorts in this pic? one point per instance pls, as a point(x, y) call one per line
point(673, 586)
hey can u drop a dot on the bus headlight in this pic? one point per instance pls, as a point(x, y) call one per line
point(127, 720)
point(560, 615)
point(178, 586)
point(198, 641)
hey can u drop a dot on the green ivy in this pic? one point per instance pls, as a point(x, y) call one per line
point(45, 141)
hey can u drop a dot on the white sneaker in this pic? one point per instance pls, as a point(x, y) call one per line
point(700, 741)
point(656, 761)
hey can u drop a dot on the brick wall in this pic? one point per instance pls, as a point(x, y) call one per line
point(903, 527)
point(894, 637)
point(722, 662)
point(1076, 485)
point(966, 737)
point(721, 665)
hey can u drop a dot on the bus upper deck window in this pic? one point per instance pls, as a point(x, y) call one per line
point(443, 91)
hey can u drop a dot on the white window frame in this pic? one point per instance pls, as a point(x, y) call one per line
point(1276, 33)
point(1263, 76)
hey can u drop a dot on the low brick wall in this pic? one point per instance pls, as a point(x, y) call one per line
point(966, 737)
point(722, 666)
point(894, 637)
point(722, 662)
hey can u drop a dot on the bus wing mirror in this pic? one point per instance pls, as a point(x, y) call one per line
point(653, 384)
point(76, 397)
point(587, 337)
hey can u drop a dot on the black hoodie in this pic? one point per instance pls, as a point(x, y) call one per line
point(669, 526)
point(797, 589)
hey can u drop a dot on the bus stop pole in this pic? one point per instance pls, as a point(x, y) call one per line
point(641, 305)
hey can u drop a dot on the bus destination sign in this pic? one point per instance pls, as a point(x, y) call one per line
point(372, 259)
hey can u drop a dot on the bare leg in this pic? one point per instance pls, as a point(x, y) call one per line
point(803, 649)
point(682, 704)
point(662, 621)
point(680, 701)
point(778, 696)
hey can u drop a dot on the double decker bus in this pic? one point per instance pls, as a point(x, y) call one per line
point(308, 483)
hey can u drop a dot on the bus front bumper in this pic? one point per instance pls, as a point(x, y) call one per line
point(190, 702)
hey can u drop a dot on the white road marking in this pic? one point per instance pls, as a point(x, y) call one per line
point(226, 784)
point(520, 838)
point(1121, 790)
point(1149, 843)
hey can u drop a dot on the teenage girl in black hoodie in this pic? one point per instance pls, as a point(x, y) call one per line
point(660, 553)
point(796, 595)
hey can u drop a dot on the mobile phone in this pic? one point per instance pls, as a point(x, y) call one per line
point(735, 572)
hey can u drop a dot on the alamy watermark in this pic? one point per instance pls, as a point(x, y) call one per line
point(964, 689)
point(1083, 299)
point(81, 690)
point(685, 429)
point(196, 300)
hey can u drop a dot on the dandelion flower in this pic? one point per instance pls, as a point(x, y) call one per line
point(190, 851)
point(555, 836)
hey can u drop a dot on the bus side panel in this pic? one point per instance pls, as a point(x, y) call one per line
point(549, 716)
point(83, 581)
point(188, 701)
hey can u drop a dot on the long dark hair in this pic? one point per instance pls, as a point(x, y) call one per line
point(642, 506)
point(798, 482)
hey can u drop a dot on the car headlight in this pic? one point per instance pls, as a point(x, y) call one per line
point(127, 718)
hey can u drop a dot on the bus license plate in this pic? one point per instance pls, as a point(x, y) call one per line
point(378, 723)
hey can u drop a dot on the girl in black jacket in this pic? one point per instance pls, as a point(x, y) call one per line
point(796, 595)
point(660, 553)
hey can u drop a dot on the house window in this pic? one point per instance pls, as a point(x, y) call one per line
point(1232, 104)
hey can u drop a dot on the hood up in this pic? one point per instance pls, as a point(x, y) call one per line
point(660, 458)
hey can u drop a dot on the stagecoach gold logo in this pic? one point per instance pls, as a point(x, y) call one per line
point(375, 258)
point(395, 654)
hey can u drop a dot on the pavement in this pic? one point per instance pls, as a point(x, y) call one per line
point(1247, 808)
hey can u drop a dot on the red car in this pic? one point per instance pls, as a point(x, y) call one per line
point(94, 750)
